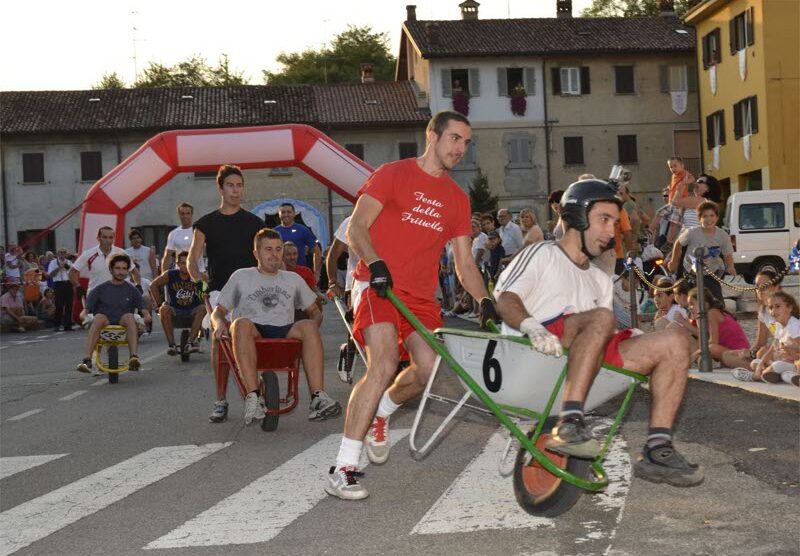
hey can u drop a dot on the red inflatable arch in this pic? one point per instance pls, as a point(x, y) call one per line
point(202, 150)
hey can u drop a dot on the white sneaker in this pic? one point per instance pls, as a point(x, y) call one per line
point(323, 407)
point(343, 483)
point(254, 408)
point(377, 440)
point(740, 373)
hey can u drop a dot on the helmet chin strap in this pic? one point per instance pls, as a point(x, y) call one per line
point(610, 245)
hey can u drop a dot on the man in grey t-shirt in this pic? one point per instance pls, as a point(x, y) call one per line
point(262, 301)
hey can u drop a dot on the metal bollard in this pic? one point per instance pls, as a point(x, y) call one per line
point(632, 287)
point(702, 314)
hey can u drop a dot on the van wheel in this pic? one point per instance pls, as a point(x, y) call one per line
point(774, 264)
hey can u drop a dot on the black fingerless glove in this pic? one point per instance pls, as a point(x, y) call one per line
point(380, 278)
point(488, 312)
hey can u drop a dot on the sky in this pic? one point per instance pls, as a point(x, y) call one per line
point(70, 45)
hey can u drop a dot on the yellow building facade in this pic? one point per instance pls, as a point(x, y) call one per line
point(748, 55)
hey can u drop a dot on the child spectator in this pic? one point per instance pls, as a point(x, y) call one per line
point(735, 359)
point(724, 331)
point(46, 309)
point(778, 362)
point(491, 267)
point(666, 306)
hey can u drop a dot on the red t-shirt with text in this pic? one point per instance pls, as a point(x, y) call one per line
point(420, 214)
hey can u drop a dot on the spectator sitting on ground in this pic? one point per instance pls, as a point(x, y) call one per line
point(724, 331)
point(778, 362)
point(12, 310)
point(667, 307)
point(114, 302)
point(263, 301)
point(532, 232)
point(681, 292)
point(46, 308)
point(183, 301)
point(735, 359)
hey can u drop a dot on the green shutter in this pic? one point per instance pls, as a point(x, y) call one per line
point(663, 78)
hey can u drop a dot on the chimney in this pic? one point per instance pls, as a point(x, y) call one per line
point(432, 33)
point(411, 12)
point(667, 8)
point(469, 9)
point(367, 75)
point(563, 9)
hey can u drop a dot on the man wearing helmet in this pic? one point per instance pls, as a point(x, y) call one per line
point(551, 293)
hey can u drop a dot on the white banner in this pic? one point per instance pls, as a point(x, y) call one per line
point(679, 99)
point(743, 63)
point(715, 158)
point(746, 146)
point(712, 79)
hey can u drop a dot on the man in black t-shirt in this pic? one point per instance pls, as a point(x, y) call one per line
point(227, 235)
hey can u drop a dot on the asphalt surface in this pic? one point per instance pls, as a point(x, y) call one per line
point(449, 502)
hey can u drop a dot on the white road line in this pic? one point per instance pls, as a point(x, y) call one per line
point(480, 498)
point(17, 464)
point(43, 516)
point(72, 396)
point(24, 415)
point(262, 509)
point(99, 382)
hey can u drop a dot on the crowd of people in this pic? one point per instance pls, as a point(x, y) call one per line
point(563, 284)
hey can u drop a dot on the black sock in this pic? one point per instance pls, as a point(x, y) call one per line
point(571, 408)
point(657, 436)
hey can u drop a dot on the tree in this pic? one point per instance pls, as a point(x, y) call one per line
point(480, 196)
point(340, 63)
point(631, 8)
point(110, 81)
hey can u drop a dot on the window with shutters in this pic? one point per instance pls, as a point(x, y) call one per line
point(356, 149)
point(715, 129)
point(678, 78)
point(741, 30)
point(745, 117)
point(573, 150)
point(712, 50)
point(91, 166)
point(466, 80)
point(519, 152)
point(32, 167)
point(407, 149)
point(570, 81)
point(509, 78)
point(626, 146)
point(623, 80)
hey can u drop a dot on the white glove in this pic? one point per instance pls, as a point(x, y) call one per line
point(541, 339)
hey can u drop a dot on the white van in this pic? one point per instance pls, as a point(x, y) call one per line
point(763, 225)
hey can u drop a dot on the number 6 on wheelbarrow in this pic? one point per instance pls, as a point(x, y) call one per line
point(514, 382)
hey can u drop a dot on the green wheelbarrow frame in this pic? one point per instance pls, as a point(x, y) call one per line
point(504, 413)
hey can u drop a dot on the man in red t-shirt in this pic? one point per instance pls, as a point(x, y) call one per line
point(406, 213)
point(291, 255)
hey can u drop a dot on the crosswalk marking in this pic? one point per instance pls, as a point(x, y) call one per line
point(262, 509)
point(42, 516)
point(24, 415)
point(17, 464)
point(480, 498)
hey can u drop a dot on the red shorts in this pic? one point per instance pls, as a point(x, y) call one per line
point(611, 356)
point(373, 309)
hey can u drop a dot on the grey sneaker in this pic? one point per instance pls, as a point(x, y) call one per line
point(377, 440)
point(323, 407)
point(220, 412)
point(570, 437)
point(663, 464)
point(740, 373)
point(254, 408)
point(343, 483)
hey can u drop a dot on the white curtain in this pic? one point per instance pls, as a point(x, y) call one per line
point(743, 63)
point(712, 79)
point(715, 158)
point(679, 100)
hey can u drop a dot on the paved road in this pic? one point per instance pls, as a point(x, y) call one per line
point(93, 468)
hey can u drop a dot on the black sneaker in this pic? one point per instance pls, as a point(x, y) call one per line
point(663, 464)
point(570, 437)
point(172, 349)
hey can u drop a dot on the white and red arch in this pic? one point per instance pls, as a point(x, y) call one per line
point(201, 150)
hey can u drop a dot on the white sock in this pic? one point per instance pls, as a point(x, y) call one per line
point(387, 406)
point(349, 453)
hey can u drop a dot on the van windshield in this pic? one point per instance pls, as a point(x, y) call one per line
point(762, 216)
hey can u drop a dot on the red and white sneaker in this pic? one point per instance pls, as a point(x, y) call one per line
point(377, 440)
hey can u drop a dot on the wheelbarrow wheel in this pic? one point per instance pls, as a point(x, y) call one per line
point(113, 378)
point(184, 345)
point(538, 491)
point(270, 389)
